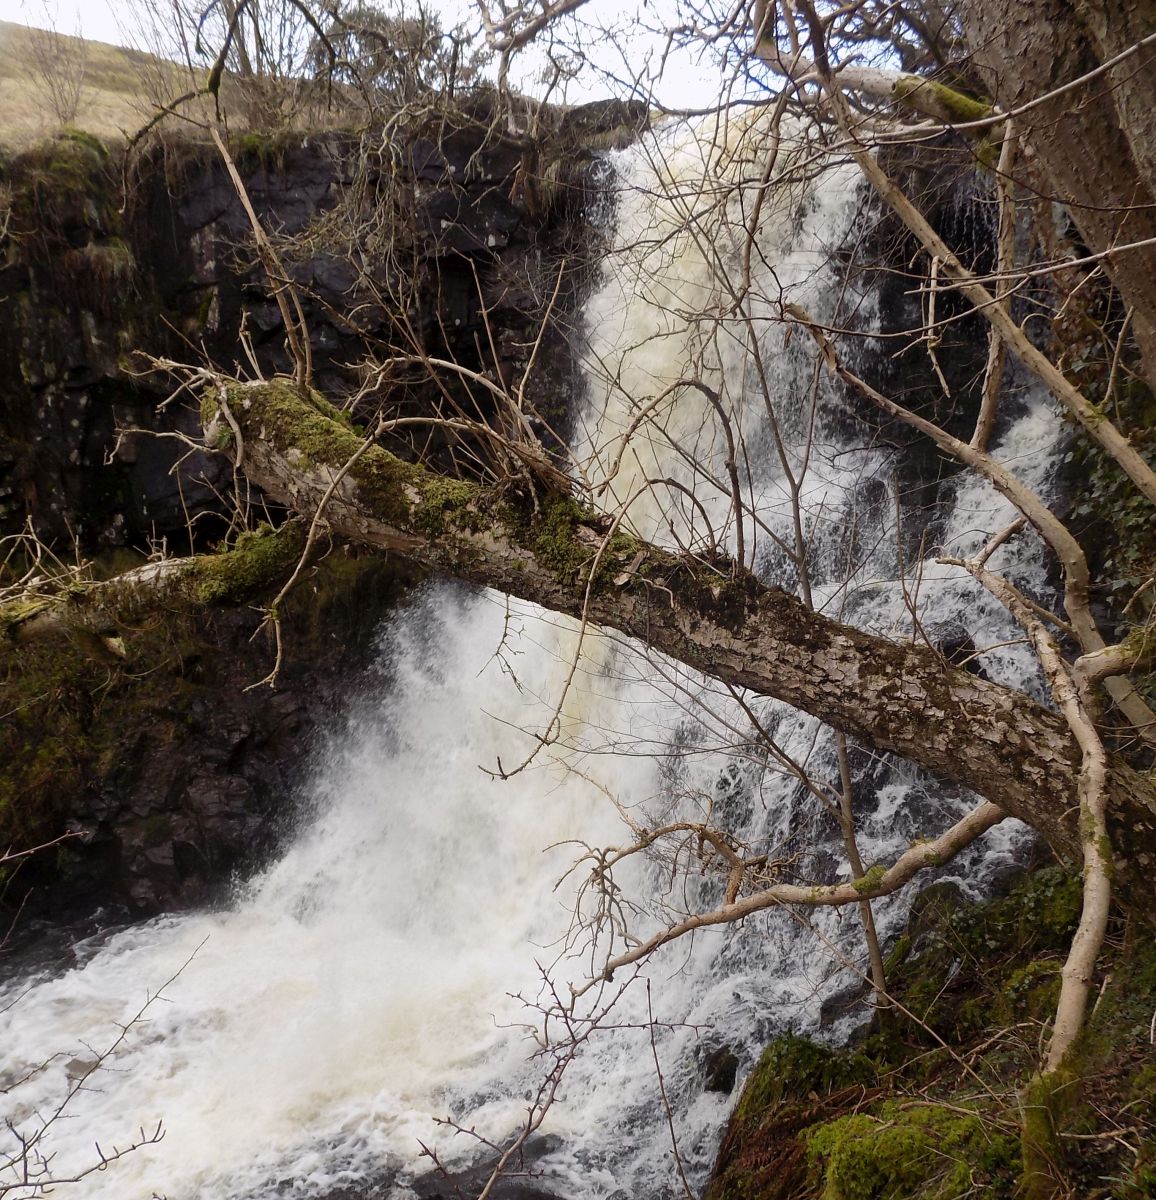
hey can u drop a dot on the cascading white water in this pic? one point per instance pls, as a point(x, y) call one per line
point(361, 986)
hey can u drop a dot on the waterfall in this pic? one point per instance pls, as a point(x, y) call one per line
point(390, 968)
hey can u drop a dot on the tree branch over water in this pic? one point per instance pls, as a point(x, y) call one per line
point(714, 617)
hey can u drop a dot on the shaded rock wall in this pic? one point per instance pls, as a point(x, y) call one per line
point(456, 247)
point(164, 772)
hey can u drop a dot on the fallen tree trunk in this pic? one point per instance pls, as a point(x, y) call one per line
point(95, 613)
point(725, 623)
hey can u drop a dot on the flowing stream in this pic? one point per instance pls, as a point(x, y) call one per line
point(393, 966)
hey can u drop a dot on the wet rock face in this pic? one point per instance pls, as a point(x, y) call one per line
point(719, 1067)
point(171, 820)
point(460, 243)
point(170, 773)
point(523, 1180)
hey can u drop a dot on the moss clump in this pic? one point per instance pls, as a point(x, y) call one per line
point(75, 718)
point(256, 150)
point(256, 561)
point(446, 504)
point(1045, 907)
point(959, 107)
point(57, 187)
point(1047, 1103)
point(897, 955)
point(66, 228)
point(85, 140)
point(1143, 1097)
point(1030, 992)
point(921, 1151)
point(963, 957)
point(555, 543)
point(794, 1067)
point(101, 277)
point(871, 880)
point(16, 612)
point(312, 432)
point(112, 261)
point(307, 426)
point(64, 712)
point(795, 1084)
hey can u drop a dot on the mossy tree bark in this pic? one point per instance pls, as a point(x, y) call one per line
point(95, 614)
point(723, 622)
point(1097, 144)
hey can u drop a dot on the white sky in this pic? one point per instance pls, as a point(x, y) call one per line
point(93, 19)
point(684, 83)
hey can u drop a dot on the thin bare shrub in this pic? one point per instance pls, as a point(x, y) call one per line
point(57, 64)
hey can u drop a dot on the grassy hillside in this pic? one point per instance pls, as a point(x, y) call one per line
point(116, 91)
point(118, 88)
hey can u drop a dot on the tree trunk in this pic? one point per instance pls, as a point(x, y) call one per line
point(900, 698)
point(1097, 143)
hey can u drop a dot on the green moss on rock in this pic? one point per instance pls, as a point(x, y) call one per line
point(921, 1125)
point(64, 181)
point(912, 1150)
point(1030, 992)
point(75, 718)
point(795, 1067)
point(795, 1084)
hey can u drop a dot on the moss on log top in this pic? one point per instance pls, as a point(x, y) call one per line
point(256, 563)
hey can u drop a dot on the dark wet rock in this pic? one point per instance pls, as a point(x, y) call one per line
point(619, 120)
point(850, 1000)
point(521, 1182)
point(169, 776)
point(719, 1066)
point(174, 272)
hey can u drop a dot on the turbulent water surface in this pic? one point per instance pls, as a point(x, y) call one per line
point(390, 969)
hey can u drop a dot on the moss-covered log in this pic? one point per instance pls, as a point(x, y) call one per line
point(728, 624)
point(928, 97)
point(96, 612)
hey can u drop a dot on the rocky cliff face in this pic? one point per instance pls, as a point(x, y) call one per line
point(444, 239)
point(167, 774)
